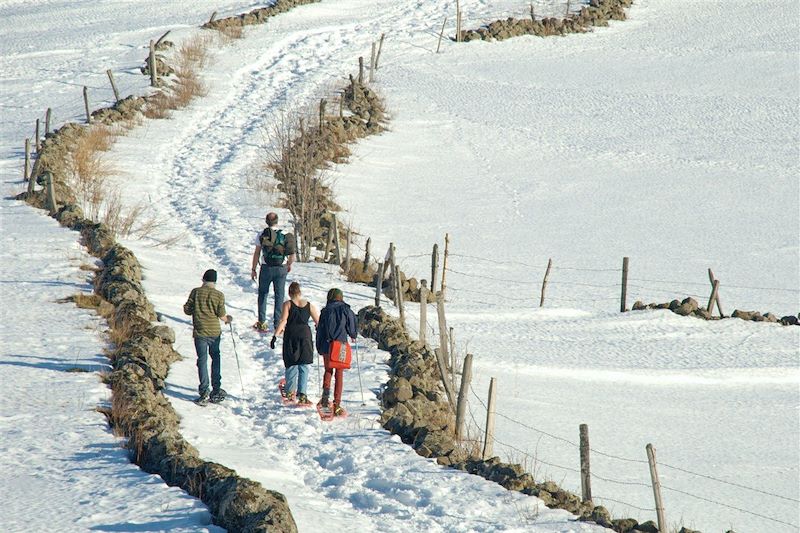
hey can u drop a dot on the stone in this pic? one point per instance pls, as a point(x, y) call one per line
point(624, 525)
point(687, 530)
point(744, 315)
point(702, 313)
point(789, 320)
point(769, 317)
point(601, 516)
point(647, 527)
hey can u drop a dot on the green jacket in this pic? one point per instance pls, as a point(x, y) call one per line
point(206, 305)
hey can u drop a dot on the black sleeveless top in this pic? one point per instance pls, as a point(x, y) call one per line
point(298, 346)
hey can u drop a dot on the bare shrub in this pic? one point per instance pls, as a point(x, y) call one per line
point(87, 171)
point(195, 50)
point(230, 32)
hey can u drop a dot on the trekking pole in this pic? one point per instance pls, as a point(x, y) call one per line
point(319, 381)
point(233, 338)
point(358, 367)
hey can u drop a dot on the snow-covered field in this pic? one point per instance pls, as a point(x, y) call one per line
point(670, 138)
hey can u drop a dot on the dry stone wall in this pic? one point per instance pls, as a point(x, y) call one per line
point(689, 307)
point(597, 13)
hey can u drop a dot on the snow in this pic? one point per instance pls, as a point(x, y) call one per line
point(670, 138)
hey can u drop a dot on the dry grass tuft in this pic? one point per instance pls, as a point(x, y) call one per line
point(87, 171)
point(230, 32)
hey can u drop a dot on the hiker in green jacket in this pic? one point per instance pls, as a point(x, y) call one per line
point(207, 306)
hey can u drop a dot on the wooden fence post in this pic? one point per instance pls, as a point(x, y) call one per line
point(458, 21)
point(366, 253)
point(341, 106)
point(360, 70)
point(586, 476)
point(52, 202)
point(533, 15)
point(441, 34)
point(711, 278)
point(452, 344)
point(544, 281)
point(86, 104)
point(152, 61)
point(26, 171)
point(444, 262)
point(434, 267)
point(392, 265)
point(113, 85)
point(213, 16)
point(623, 299)
point(48, 114)
point(347, 260)
point(423, 312)
point(443, 343)
point(336, 243)
point(399, 292)
point(380, 48)
point(713, 297)
point(322, 105)
point(651, 459)
point(488, 439)
point(463, 394)
point(329, 241)
point(38, 137)
point(31, 182)
point(378, 284)
point(372, 62)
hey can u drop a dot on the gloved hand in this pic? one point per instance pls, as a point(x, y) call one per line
point(272, 342)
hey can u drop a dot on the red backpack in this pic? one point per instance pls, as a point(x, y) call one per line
point(339, 355)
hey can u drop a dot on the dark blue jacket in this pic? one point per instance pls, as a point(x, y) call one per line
point(336, 322)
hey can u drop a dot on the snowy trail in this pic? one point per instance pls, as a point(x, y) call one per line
point(351, 473)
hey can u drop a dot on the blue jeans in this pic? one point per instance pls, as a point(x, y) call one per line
point(276, 275)
point(298, 373)
point(204, 345)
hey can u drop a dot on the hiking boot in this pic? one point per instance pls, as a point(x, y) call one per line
point(218, 395)
point(337, 410)
point(302, 399)
point(261, 327)
point(324, 402)
point(290, 396)
point(202, 399)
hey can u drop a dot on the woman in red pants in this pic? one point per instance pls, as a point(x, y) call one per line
point(336, 322)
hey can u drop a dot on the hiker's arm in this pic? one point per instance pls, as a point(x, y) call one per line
point(315, 315)
point(188, 307)
point(256, 256)
point(289, 263)
point(284, 319)
point(351, 325)
point(222, 314)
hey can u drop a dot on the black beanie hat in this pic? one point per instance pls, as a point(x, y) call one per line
point(210, 275)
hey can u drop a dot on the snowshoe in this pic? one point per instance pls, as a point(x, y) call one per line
point(202, 400)
point(218, 395)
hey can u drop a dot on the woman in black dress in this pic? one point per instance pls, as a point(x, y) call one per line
point(298, 347)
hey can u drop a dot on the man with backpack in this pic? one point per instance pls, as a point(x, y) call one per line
point(272, 261)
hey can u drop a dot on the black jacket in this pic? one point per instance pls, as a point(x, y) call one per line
point(336, 322)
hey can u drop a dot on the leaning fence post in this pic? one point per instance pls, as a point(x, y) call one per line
point(213, 16)
point(113, 85)
point(366, 252)
point(48, 114)
point(372, 63)
point(452, 344)
point(444, 262)
point(26, 170)
point(623, 298)
point(463, 393)
point(586, 475)
point(86, 104)
point(544, 281)
point(392, 268)
point(713, 297)
point(380, 48)
point(441, 34)
point(651, 460)
point(488, 439)
point(153, 67)
point(441, 352)
point(52, 202)
point(38, 137)
point(423, 311)
point(711, 278)
point(361, 70)
point(378, 284)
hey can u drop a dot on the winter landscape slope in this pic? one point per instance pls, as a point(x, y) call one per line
point(671, 138)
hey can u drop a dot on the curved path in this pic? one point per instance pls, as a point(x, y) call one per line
point(198, 171)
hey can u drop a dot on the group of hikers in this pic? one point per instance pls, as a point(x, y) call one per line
point(273, 257)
